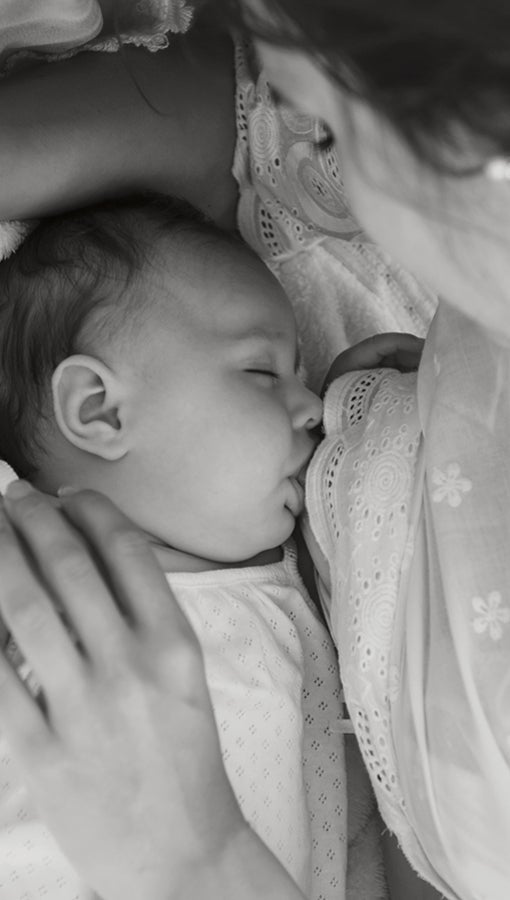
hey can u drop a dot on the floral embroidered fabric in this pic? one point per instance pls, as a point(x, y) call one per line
point(360, 493)
point(293, 211)
point(142, 24)
point(408, 497)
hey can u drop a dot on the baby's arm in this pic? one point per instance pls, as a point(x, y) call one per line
point(77, 130)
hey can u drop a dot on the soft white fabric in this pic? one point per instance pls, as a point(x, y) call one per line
point(31, 30)
point(272, 673)
point(146, 24)
point(142, 24)
point(409, 499)
point(361, 488)
point(54, 24)
point(11, 236)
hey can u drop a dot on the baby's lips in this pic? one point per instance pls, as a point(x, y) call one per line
point(301, 474)
point(297, 502)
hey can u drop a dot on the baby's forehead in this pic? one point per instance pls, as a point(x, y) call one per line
point(200, 253)
point(190, 264)
point(215, 287)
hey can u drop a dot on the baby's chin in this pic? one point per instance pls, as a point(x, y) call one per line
point(172, 560)
point(257, 547)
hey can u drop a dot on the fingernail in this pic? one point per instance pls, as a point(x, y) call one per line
point(67, 490)
point(16, 490)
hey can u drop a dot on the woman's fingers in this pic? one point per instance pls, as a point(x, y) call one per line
point(30, 616)
point(20, 717)
point(123, 762)
point(136, 577)
point(100, 572)
point(65, 565)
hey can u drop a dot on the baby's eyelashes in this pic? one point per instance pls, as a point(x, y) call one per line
point(268, 374)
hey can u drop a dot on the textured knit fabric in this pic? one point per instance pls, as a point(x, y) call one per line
point(273, 676)
point(409, 499)
point(55, 24)
point(272, 673)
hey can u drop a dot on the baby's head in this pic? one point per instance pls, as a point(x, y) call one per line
point(152, 357)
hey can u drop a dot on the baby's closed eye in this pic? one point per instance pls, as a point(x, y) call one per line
point(263, 373)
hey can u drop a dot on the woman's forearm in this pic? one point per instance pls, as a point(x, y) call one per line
point(77, 130)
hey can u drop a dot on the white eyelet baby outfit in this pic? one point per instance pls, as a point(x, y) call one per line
point(272, 673)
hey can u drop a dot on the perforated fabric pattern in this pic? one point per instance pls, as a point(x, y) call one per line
point(361, 493)
point(249, 622)
point(273, 676)
point(294, 212)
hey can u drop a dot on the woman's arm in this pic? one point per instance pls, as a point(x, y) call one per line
point(121, 756)
point(78, 130)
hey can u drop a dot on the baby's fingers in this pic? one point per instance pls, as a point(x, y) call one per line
point(393, 350)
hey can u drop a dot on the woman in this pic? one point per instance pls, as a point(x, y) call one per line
point(452, 231)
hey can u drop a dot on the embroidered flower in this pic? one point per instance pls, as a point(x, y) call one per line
point(491, 615)
point(450, 485)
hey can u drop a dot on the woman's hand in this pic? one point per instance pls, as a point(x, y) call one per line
point(393, 350)
point(120, 754)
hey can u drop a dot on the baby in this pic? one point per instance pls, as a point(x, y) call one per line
point(149, 356)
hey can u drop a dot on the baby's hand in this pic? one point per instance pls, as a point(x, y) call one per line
point(394, 350)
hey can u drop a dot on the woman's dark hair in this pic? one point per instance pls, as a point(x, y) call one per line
point(428, 66)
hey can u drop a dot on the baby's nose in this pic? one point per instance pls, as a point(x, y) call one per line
point(310, 410)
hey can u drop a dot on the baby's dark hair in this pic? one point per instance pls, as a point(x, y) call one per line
point(61, 289)
point(431, 67)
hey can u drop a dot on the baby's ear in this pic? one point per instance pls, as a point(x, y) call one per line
point(88, 406)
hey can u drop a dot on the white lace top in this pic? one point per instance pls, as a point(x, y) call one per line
point(409, 498)
point(361, 494)
point(293, 211)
